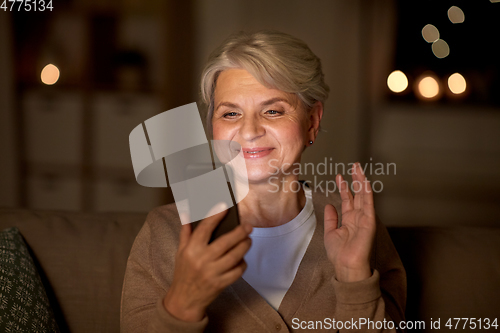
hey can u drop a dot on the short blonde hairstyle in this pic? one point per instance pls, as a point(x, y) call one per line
point(277, 60)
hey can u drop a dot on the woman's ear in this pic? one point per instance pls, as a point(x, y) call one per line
point(315, 114)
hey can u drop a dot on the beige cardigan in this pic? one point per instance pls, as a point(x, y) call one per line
point(315, 294)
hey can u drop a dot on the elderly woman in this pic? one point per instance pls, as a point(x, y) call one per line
point(300, 259)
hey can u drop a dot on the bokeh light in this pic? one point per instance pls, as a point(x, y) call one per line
point(440, 49)
point(428, 87)
point(456, 15)
point(397, 81)
point(430, 33)
point(457, 83)
point(50, 74)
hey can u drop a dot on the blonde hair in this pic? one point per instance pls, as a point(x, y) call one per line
point(277, 60)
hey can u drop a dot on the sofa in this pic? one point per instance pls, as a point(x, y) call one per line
point(81, 258)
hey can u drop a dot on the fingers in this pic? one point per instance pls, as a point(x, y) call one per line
point(233, 256)
point(363, 198)
point(234, 274)
point(184, 236)
point(220, 247)
point(227, 241)
point(364, 188)
point(204, 269)
point(345, 194)
point(331, 218)
point(357, 185)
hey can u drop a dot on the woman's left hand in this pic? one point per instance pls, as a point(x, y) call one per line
point(349, 247)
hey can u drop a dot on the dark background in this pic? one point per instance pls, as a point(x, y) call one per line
point(474, 49)
point(65, 146)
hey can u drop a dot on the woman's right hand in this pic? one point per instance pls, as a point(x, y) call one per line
point(203, 270)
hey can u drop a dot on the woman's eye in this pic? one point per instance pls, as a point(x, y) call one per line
point(230, 114)
point(273, 112)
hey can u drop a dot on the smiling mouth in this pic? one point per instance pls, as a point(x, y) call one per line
point(254, 151)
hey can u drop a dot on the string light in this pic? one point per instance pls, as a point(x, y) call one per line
point(457, 83)
point(456, 15)
point(440, 49)
point(397, 81)
point(430, 33)
point(428, 87)
point(50, 74)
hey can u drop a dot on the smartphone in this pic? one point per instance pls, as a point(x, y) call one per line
point(231, 220)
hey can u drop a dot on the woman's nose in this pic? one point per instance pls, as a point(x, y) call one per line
point(251, 129)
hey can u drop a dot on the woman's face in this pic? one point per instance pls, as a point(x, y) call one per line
point(271, 126)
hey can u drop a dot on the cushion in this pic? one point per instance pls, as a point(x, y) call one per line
point(24, 306)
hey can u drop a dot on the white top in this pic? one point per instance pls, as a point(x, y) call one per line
point(276, 252)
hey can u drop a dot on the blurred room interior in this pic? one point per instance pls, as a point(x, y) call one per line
point(76, 80)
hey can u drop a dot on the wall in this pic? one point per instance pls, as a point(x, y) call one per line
point(448, 164)
point(447, 157)
point(8, 154)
